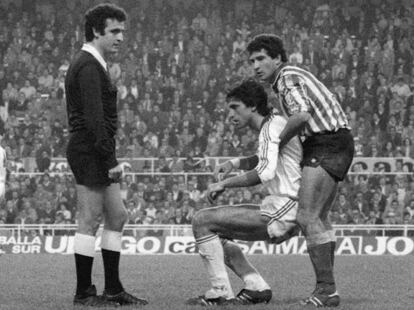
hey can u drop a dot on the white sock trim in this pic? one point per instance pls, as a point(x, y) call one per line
point(84, 244)
point(111, 240)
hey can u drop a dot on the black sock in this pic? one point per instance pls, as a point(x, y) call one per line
point(83, 273)
point(111, 266)
point(321, 257)
point(333, 247)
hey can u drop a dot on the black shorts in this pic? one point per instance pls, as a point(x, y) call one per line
point(333, 151)
point(86, 164)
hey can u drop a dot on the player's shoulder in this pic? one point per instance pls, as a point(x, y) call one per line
point(289, 71)
point(274, 124)
point(277, 120)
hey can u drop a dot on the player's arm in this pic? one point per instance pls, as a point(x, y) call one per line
point(298, 105)
point(90, 86)
point(249, 178)
point(293, 127)
point(264, 171)
point(244, 163)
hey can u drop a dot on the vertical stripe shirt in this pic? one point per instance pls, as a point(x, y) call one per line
point(280, 171)
point(300, 91)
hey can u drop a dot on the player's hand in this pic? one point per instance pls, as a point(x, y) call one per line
point(115, 173)
point(213, 191)
point(221, 171)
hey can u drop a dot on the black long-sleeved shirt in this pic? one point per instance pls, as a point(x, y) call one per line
point(91, 104)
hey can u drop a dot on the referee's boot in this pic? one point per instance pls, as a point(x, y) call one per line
point(89, 298)
point(322, 297)
point(250, 297)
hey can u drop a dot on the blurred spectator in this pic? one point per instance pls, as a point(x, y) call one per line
point(401, 88)
point(361, 205)
point(47, 213)
point(179, 218)
point(43, 161)
point(28, 90)
point(64, 212)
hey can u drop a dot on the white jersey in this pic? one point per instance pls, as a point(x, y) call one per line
point(280, 172)
point(3, 172)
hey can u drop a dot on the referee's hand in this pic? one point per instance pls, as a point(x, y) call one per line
point(115, 173)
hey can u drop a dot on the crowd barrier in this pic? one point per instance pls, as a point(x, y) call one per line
point(397, 240)
point(360, 165)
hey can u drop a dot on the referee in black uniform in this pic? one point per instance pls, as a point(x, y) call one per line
point(92, 113)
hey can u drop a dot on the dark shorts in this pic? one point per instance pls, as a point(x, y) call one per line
point(333, 151)
point(87, 166)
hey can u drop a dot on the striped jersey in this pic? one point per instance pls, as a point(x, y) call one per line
point(280, 171)
point(300, 91)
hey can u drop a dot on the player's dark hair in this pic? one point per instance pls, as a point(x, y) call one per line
point(271, 43)
point(252, 94)
point(95, 18)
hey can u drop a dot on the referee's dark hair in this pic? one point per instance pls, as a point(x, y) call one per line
point(271, 43)
point(252, 94)
point(95, 18)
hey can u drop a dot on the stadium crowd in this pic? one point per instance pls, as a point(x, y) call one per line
point(179, 59)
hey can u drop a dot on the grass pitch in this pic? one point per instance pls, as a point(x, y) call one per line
point(45, 281)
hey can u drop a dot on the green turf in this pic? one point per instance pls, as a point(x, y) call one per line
point(365, 282)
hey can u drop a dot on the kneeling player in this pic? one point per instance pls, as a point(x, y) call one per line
point(273, 220)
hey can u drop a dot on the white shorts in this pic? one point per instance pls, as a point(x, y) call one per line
point(282, 213)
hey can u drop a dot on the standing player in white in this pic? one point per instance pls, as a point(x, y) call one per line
point(273, 220)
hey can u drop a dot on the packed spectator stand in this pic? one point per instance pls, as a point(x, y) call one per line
point(178, 61)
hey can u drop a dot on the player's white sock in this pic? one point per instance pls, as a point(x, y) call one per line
point(211, 252)
point(111, 240)
point(255, 282)
point(84, 244)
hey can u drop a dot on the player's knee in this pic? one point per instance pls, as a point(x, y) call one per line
point(200, 219)
point(123, 217)
point(89, 224)
point(305, 218)
point(117, 220)
point(197, 220)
